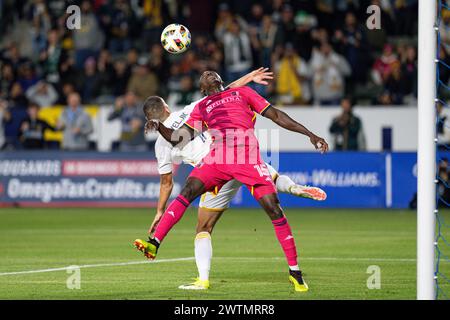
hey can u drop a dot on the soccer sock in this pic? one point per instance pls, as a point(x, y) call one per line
point(203, 254)
point(284, 184)
point(286, 240)
point(171, 216)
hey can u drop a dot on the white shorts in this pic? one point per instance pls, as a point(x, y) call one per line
point(221, 201)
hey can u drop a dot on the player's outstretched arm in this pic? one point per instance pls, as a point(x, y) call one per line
point(260, 76)
point(283, 120)
point(177, 138)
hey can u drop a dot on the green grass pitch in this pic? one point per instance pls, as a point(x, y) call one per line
point(336, 248)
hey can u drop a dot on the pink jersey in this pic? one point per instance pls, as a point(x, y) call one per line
point(229, 116)
point(230, 109)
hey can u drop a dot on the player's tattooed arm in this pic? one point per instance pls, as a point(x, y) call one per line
point(177, 138)
point(260, 76)
point(285, 121)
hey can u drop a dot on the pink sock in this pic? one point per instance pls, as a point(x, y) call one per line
point(171, 216)
point(286, 240)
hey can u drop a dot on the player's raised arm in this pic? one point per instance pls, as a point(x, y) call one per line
point(260, 76)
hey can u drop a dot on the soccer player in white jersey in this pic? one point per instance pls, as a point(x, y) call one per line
point(212, 205)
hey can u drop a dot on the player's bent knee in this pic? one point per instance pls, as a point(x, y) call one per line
point(275, 213)
point(192, 189)
point(205, 228)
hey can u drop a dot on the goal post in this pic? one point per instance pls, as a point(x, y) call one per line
point(426, 152)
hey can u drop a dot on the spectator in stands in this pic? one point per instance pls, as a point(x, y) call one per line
point(76, 123)
point(6, 79)
point(67, 89)
point(329, 70)
point(347, 129)
point(396, 86)
point(42, 93)
point(16, 97)
point(143, 82)
point(404, 11)
point(305, 22)
point(350, 42)
point(256, 15)
point(90, 81)
point(384, 65)
point(52, 57)
point(175, 75)
point(13, 56)
point(287, 26)
point(105, 71)
point(132, 121)
point(155, 14)
point(121, 76)
point(121, 27)
point(238, 54)
point(409, 70)
point(158, 62)
point(225, 19)
point(132, 57)
point(292, 75)
point(186, 95)
point(267, 38)
point(5, 116)
point(32, 129)
point(41, 24)
point(89, 39)
point(26, 75)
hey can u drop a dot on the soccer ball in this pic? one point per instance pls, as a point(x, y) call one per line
point(176, 38)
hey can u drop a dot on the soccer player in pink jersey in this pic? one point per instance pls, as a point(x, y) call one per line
point(228, 116)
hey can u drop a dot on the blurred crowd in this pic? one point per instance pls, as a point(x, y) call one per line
point(321, 51)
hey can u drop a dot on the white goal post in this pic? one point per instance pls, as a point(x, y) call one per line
point(426, 152)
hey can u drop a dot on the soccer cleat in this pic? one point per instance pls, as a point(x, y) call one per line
point(296, 278)
point(197, 285)
point(149, 248)
point(308, 192)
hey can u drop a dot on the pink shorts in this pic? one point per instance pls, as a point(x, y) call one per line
point(255, 177)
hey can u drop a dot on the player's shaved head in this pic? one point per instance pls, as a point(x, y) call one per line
point(210, 83)
point(155, 108)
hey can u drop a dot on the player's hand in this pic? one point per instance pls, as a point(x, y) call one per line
point(319, 143)
point(151, 126)
point(261, 76)
point(155, 222)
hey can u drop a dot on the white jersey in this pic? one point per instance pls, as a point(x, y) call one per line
point(191, 154)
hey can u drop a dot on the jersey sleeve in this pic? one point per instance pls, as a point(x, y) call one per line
point(195, 120)
point(255, 101)
point(163, 151)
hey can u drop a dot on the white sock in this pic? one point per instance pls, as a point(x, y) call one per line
point(294, 268)
point(203, 254)
point(284, 183)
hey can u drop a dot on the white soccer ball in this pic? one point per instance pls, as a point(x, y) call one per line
point(176, 38)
